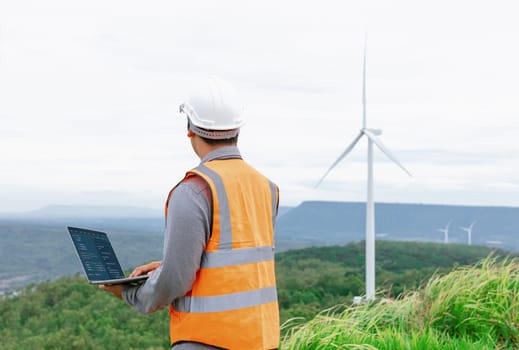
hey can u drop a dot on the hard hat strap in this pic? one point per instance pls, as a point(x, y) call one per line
point(213, 134)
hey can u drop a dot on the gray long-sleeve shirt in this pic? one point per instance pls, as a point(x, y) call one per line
point(188, 227)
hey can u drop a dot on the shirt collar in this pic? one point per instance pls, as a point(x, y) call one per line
point(226, 152)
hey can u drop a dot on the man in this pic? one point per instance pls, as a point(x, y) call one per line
point(217, 273)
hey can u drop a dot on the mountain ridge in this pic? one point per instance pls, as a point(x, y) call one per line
point(325, 222)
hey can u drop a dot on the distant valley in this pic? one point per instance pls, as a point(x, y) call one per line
point(34, 246)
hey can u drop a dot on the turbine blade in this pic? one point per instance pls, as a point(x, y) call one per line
point(385, 150)
point(344, 154)
point(364, 84)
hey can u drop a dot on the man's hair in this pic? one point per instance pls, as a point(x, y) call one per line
point(230, 141)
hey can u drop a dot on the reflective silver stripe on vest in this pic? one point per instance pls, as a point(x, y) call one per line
point(274, 201)
point(223, 205)
point(226, 302)
point(227, 257)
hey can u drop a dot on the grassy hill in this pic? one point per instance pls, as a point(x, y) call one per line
point(312, 279)
point(469, 308)
point(70, 314)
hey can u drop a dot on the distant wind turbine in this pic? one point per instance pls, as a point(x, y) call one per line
point(469, 231)
point(371, 135)
point(445, 232)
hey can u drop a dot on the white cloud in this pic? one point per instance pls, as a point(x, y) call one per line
point(89, 95)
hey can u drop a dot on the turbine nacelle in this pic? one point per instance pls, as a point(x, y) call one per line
point(445, 232)
point(469, 231)
point(376, 132)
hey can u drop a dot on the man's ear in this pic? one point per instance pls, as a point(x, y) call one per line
point(190, 134)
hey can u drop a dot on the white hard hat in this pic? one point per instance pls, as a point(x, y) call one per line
point(214, 105)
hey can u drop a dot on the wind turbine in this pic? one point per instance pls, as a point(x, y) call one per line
point(372, 136)
point(469, 231)
point(445, 232)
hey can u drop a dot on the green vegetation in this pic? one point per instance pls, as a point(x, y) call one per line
point(313, 279)
point(70, 314)
point(470, 308)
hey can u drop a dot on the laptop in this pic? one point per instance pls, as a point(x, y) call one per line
point(98, 258)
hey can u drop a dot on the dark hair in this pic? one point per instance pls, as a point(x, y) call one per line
point(230, 141)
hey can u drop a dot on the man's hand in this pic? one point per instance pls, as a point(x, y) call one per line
point(145, 269)
point(115, 289)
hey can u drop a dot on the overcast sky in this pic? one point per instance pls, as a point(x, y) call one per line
point(89, 95)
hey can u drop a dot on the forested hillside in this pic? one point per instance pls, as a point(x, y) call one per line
point(36, 250)
point(70, 314)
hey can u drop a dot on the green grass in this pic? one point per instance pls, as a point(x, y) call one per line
point(473, 307)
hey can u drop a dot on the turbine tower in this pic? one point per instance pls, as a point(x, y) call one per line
point(372, 136)
point(469, 231)
point(445, 232)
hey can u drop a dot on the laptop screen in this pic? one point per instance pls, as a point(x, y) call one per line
point(96, 254)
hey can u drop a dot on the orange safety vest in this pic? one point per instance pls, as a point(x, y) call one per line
point(233, 302)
